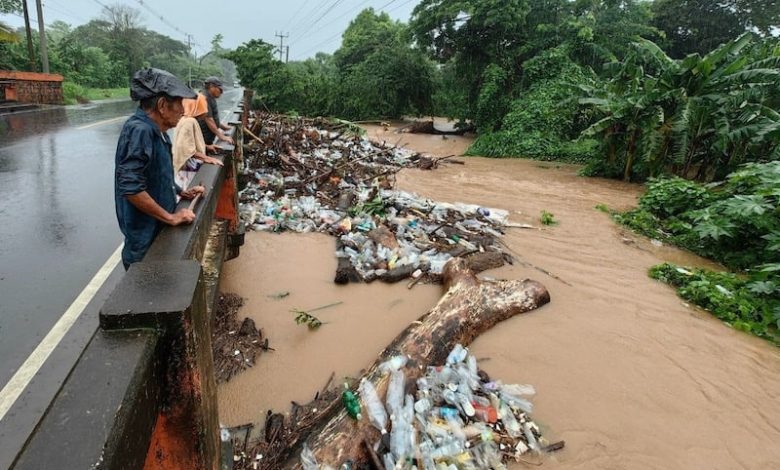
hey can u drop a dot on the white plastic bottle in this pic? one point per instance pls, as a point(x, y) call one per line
point(376, 411)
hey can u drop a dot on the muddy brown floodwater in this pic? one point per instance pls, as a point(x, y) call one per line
point(626, 373)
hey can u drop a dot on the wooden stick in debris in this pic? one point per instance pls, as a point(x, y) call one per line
point(252, 135)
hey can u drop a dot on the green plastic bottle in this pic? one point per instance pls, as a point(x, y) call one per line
point(351, 403)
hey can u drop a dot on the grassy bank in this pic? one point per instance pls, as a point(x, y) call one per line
point(74, 93)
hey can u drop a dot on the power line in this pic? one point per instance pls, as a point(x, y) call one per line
point(319, 18)
point(347, 13)
point(32, 20)
point(326, 41)
point(161, 18)
point(335, 36)
point(63, 10)
point(352, 11)
point(306, 18)
point(298, 11)
point(398, 7)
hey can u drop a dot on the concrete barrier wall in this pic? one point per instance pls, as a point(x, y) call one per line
point(143, 394)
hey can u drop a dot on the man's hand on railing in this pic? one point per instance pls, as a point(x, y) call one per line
point(182, 217)
point(213, 161)
point(226, 138)
point(190, 193)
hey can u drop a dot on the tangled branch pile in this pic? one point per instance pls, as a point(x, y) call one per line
point(235, 347)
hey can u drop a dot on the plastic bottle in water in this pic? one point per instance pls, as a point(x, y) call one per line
point(459, 400)
point(374, 408)
point(409, 419)
point(308, 460)
point(466, 394)
point(389, 462)
point(423, 385)
point(445, 412)
point(394, 363)
point(436, 432)
point(395, 392)
point(517, 402)
point(473, 369)
point(493, 456)
point(458, 354)
point(422, 406)
point(510, 422)
point(456, 428)
point(425, 450)
point(399, 436)
point(487, 455)
point(449, 449)
point(529, 435)
point(351, 403)
point(518, 390)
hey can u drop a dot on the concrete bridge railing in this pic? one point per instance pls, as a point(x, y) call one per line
point(143, 395)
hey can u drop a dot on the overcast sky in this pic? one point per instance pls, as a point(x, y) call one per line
point(313, 25)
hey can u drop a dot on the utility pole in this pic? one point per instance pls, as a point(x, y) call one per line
point(30, 51)
point(281, 37)
point(42, 31)
point(287, 57)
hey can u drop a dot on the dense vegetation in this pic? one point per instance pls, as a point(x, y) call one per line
point(103, 53)
point(737, 223)
point(375, 74)
point(633, 88)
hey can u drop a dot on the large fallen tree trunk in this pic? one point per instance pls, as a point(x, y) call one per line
point(468, 308)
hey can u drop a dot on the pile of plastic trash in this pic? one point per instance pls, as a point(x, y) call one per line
point(329, 183)
point(458, 419)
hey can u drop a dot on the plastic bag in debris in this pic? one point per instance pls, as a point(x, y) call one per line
point(308, 460)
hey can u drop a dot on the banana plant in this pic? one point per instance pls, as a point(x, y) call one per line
point(700, 116)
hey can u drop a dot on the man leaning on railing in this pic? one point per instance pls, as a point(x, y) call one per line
point(144, 187)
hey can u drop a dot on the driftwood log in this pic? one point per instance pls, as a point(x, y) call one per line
point(469, 307)
point(427, 127)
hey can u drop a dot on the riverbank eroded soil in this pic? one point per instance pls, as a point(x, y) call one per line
point(625, 372)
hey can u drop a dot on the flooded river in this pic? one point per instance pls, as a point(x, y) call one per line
point(626, 373)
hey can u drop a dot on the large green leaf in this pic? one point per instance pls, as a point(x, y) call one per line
point(747, 206)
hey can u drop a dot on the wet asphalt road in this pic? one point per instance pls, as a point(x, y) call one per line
point(57, 219)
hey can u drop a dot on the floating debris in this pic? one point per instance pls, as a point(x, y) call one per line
point(458, 418)
point(235, 347)
point(303, 178)
point(279, 295)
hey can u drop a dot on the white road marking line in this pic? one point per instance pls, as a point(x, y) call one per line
point(100, 123)
point(21, 379)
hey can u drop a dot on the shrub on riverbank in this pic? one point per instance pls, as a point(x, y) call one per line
point(747, 304)
point(736, 223)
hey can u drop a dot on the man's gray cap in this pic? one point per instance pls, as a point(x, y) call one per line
point(151, 82)
point(214, 81)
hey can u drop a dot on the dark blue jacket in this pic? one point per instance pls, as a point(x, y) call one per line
point(143, 163)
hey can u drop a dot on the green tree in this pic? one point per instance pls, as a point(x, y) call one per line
point(699, 26)
point(255, 65)
point(366, 34)
point(10, 6)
